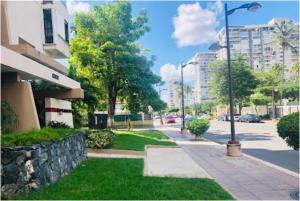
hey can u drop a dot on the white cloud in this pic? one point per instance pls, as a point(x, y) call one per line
point(170, 71)
point(195, 25)
point(77, 6)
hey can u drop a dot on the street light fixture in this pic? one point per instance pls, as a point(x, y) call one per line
point(182, 95)
point(233, 146)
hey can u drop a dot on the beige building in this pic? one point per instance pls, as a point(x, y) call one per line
point(257, 42)
point(33, 35)
point(202, 76)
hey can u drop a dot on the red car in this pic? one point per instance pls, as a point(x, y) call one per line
point(169, 120)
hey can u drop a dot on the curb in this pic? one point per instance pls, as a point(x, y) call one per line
point(287, 171)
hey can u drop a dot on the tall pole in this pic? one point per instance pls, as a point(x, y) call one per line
point(229, 78)
point(182, 100)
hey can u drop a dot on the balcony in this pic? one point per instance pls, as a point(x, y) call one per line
point(58, 49)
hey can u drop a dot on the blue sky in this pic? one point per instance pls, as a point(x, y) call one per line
point(161, 19)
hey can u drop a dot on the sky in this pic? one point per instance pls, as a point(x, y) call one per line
point(180, 29)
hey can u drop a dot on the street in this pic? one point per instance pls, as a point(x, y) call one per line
point(260, 140)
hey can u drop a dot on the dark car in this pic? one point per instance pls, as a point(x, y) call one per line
point(250, 118)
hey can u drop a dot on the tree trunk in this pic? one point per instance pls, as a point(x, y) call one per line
point(240, 108)
point(256, 110)
point(112, 97)
point(282, 79)
point(273, 104)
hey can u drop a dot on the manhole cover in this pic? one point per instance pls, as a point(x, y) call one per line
point(295, 195)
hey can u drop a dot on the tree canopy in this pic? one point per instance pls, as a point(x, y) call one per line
point(105, 51)
point(244, 81)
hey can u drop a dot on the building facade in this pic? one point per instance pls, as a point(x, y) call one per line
point(33, 35)
point(258, 44)
point(172, 100)
point(202, 76)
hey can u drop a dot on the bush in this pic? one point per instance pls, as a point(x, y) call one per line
point(265, 116)
point(288, 129)
point(198, 126)
point(57, 124)
point(9, 119)
point(99, 138)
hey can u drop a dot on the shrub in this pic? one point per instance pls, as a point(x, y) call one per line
point(288, 129)
point(99, 138)
point(35, 136)
point(9, 119)
point(57, 124)
point(198, 126)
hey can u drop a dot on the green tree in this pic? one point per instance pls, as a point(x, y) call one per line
point(284, 33)
point(295, 72)
point(173, 109)
point(244, 81)
point(259, 99)
point(84, 109)
point(268, 84)
point(105, 50)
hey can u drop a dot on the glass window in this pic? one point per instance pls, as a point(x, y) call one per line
point(48, 28)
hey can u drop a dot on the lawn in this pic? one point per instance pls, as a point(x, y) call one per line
point(136, 140)
point(122, 179)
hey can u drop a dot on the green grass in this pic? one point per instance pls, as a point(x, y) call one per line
point(122, 179)
point(136, 140)
point(35, 136)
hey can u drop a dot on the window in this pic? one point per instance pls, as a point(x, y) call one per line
point(48, 28)
point(66, 31)
point(47, 1)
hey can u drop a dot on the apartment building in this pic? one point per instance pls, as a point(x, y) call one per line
point(171, 93)
point(258, 43)
point(202, 76)
point(34, 34)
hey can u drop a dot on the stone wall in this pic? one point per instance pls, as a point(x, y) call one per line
point(31, 167)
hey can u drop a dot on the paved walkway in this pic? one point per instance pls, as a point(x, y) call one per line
point(245, 178)
point(171, 162)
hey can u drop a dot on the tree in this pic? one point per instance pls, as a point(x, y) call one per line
point(295, 72)
point(244, 81)
point(284, 31)
point(105, 51)
point(268, 84)
point(173, 109)
point(259, 99)
point(84, 109)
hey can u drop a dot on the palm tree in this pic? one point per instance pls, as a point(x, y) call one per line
point(284, 31)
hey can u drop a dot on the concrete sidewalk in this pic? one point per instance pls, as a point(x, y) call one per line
point(245, 178)
point(171, 162)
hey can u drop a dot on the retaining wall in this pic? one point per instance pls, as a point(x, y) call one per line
point(28, 168)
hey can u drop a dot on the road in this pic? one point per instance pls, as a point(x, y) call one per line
point(260, 140)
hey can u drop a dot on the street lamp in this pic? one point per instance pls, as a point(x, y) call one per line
point(233, 146)
point(182, 95)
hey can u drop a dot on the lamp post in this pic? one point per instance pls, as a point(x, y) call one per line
point(233, 146)
point(182, 95)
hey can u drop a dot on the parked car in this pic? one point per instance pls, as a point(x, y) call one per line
point(236, 117)
point(169, 120)
point(222, 117)
point(250, 118)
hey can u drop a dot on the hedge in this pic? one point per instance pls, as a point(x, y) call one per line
point(99, 139)
point(288, 129)
point(198, 126)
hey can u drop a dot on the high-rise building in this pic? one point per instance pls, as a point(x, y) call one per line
point(202, 75)
point(258, 43)
point(33, 35)
point(171, 92)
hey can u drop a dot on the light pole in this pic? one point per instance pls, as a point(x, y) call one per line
point(182, 95)
point(233, 146)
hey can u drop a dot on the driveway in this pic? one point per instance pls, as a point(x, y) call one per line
point(260, 140)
